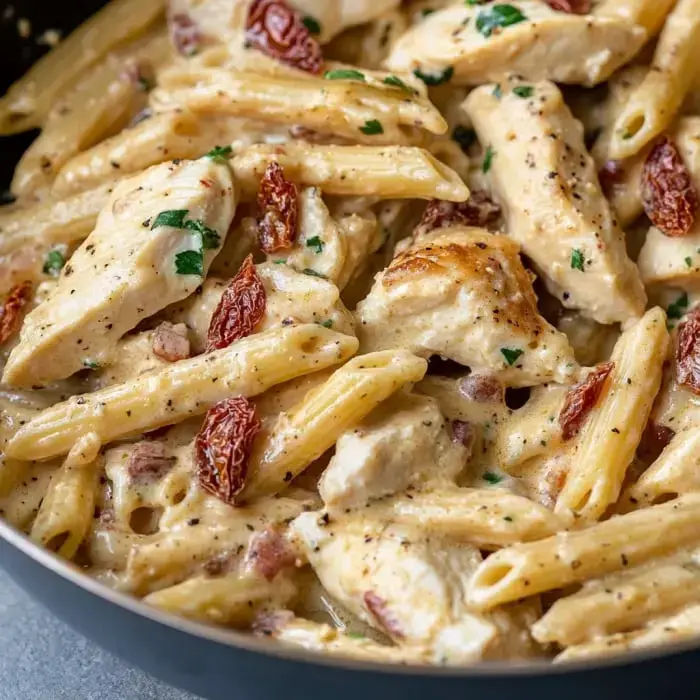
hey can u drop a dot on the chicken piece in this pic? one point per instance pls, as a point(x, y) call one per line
point(403, 442)
point(152, 246)
point(547, 185)
point(393, 578)
point(464, 294)
point(541, 44)
point(291, 297)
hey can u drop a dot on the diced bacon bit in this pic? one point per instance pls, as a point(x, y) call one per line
point(269, 552)
point(222, 447)
point(278, 201)
point(463, 433)
point(184, 33)
point(269, 624)
point(478, 210)
point(240, 309)
point(11, 311)
point(581, 399)
point(668, 193)
point(575, 7)
point(611, 174)
point(277, 30)
point(688, 352)
point(149, 461)
point(379, 610)
point(481, 389)
point(170, 342)
point(654, 439)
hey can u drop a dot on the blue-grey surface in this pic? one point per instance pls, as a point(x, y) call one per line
point(42, 659)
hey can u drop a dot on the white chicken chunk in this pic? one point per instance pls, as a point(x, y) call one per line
point(152, 246)
point(291, 297)
point(546, 183)
point(403, 442)
point(464, 294)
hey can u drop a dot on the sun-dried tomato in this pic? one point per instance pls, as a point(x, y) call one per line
point(184, 33)
point(149, 461)
point(688, 352)
point(269, 552)
point(11, 310)
point(240, 309)
point(654, 439)
point(278, 201)
point(277, 30)
point(668, 193)
point(222, 447)
point(581, 399)
point(611, 174)
point(574, 7)
point(481, 388)
point(478, 210)
point(379, 610)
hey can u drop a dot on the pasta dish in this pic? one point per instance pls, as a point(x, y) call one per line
point(367, 326)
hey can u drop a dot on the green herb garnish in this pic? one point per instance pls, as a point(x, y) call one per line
point(54, 263)
point(395, 81)
point(497, 91)
point(463, 136)
point(171, 217)
point(220, 154)
point(372, 127)
point(498, 17)
point(316, 243)
point(281, 261)
point(344, 74)
point(507, 518)
point(433, 79)
point(91, 364)
point(491, 478)
point(511, 355)
point(523, 91)
point(328, 323)
point(678, 308)
point(313, 273)
point(189, 262)
point(312, 24)
point(210, 238)
point(488, 159)
point(689, 261)
point(577, 259)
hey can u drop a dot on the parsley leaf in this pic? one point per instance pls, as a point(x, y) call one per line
point(220, 154)
point(689, 261)
point(54, 263)
point(508, 519)
point(312, 24)
point(577, 259)
point(488, 159)
point(497, 17)
point(395, 81)
point(678, 308)
point(313, 273)
point(210, 238)
point(523, 91)
point(463, 136)
point(355, 635)
point(427, 11)
point(328, 323)
point(281, 261)
point(511, 355)
point(497, 91)
point(435, 79)
point(344, 74)
point(491, 478)
point(316, 243)
point(189, 262)
point(171, 217)
point(372, 127)
point(91, 364)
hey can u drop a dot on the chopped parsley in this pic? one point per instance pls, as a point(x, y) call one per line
point(328, 323)
point(491, 478)
point(511, 355)
point(281, 261)
point(488, 159)
point(344, 74)
point(54, 263)
point(689, 261)
point(433, 79)
point(523, 91)
point(220, 154)
point(91, 364)
point(372, 127)
point(356, 635)
point(312, 24)
point(498, 17)
point(190, 262)
point(171, 217)
point(316, 243)
point(210, 238)
point(507, 518)
point(577, 259)
point(427, 11)
point(679, 307)
point(395, 81)
point(313, 273)
point(463, 136)
point(497, 91)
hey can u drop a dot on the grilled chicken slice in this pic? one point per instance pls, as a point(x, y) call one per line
point(547, 185)
point(152, 246)
point(403, 442)
point(464, 294)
